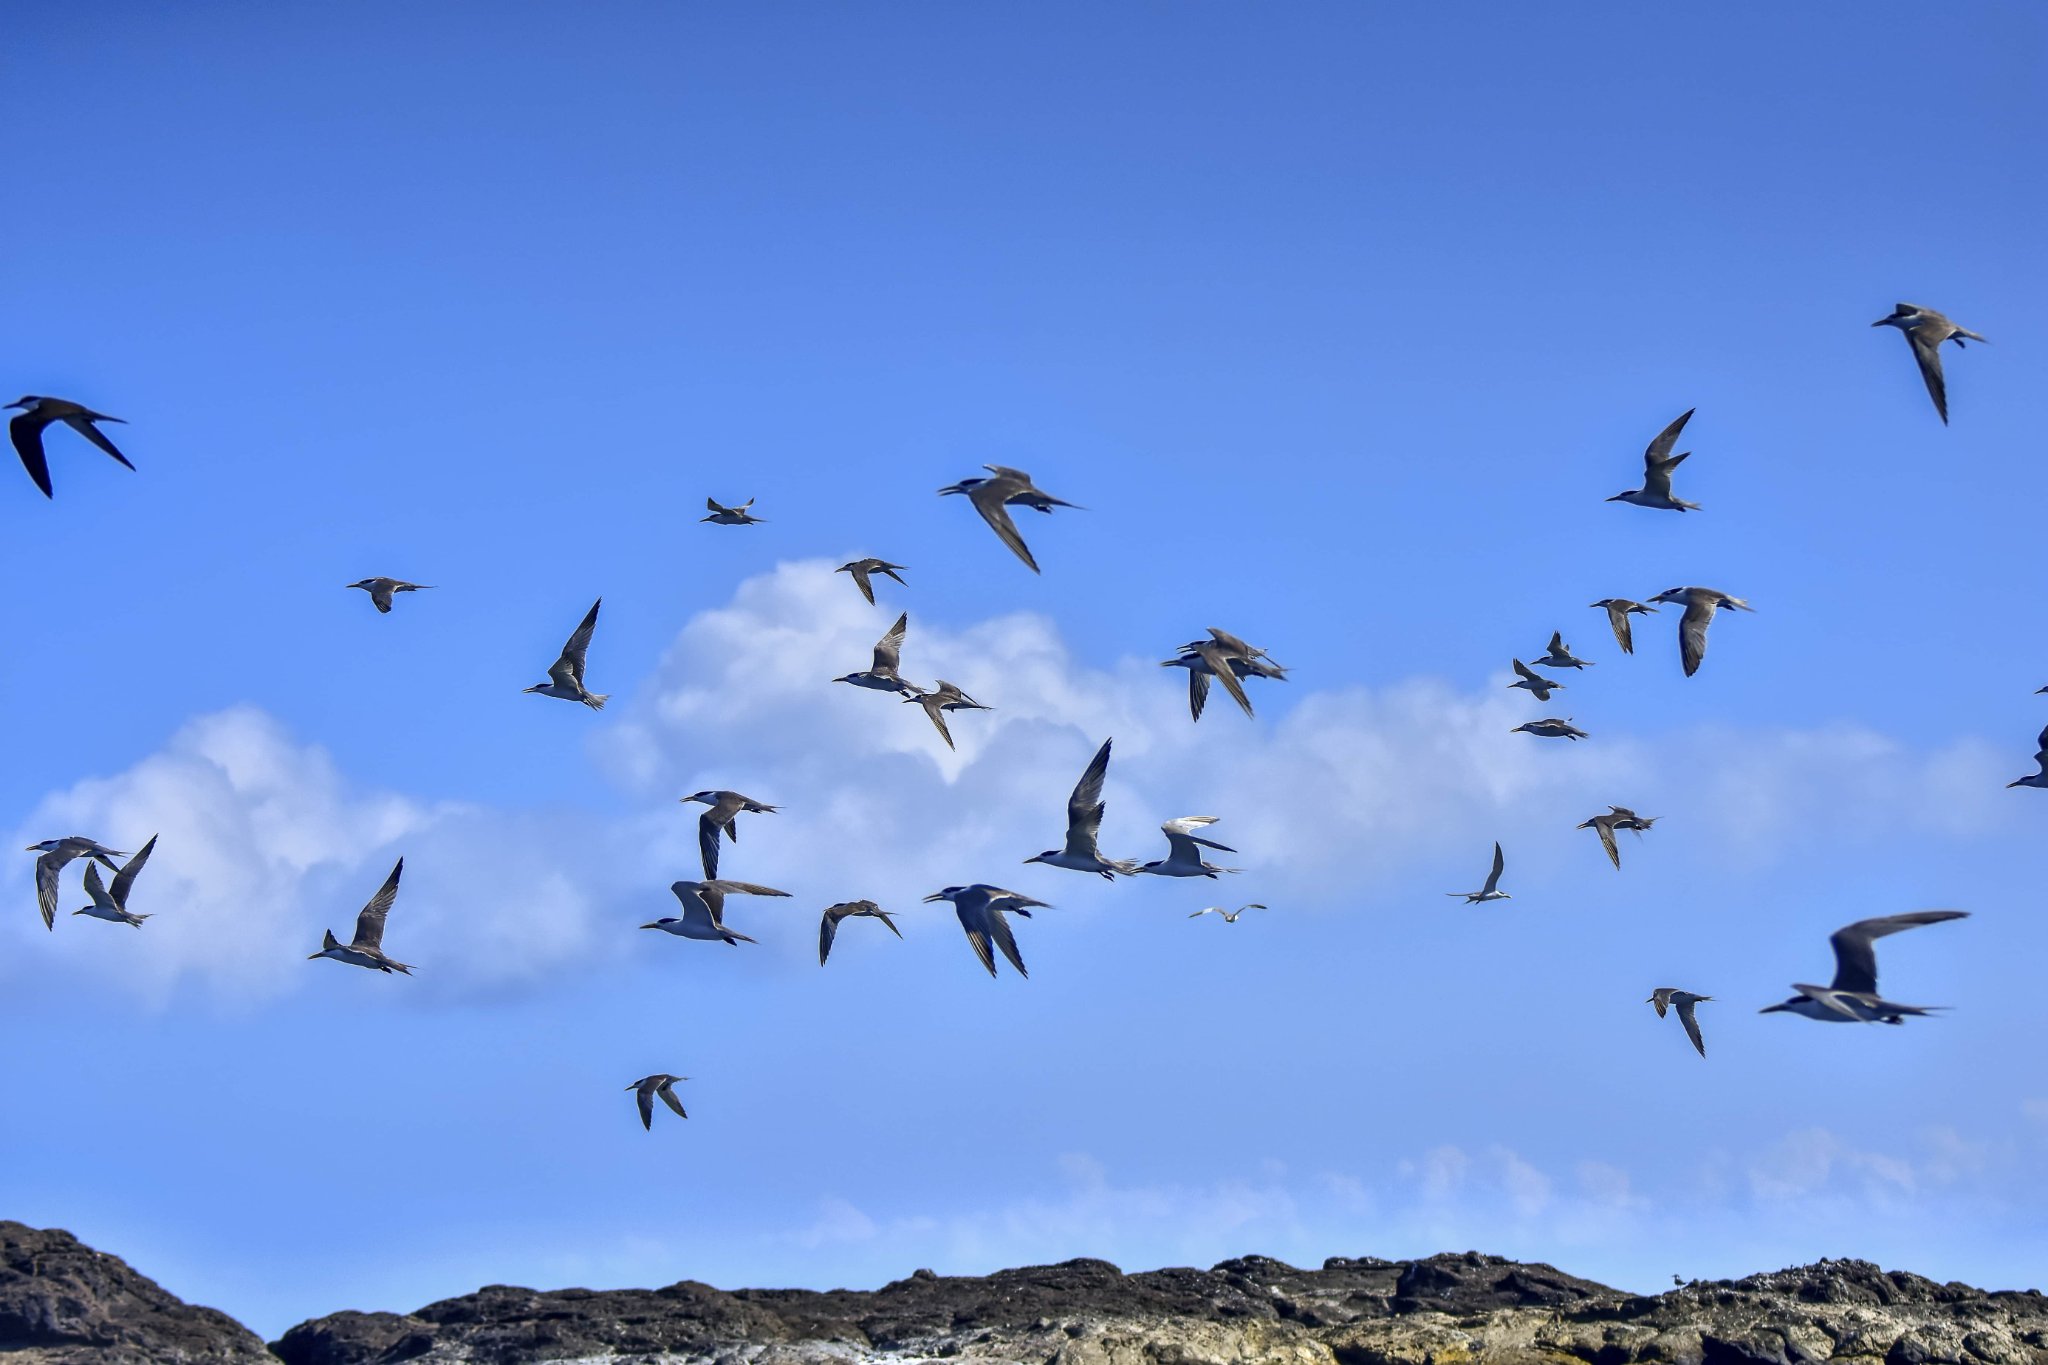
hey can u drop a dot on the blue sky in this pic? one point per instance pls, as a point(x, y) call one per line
point(1340, 321)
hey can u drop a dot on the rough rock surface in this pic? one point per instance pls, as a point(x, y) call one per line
point(62, 1302)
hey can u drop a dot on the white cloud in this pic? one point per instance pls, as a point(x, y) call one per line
point(265, 841)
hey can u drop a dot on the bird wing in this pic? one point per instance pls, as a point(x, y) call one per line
point(1661, 447)
point(1828, 997)
point(1218, 659)
point(370, 923)
point(697, 911)
point(1692, 634)
point(667, 1091)
point(96, 888)
point(976, 920)
point(1606, 828)
point(1617, 617)
point(828, 927)
point(1657, 478)
point(125, 878)
point(1557, 648)
point(47, 868)
point(1233, 643)
point(707, 840)
point(889, 649)
point(381, 596)
point(1927, 352)
point(724, 888)
point(1198, 692)
point(1856, 958)
point(1006, 940)
point(935, 706)
point(711, 505)
point(1493, 878)
point(883, 915)
point(644, 1093)
point(26, 431)
point(568, 670)
point(989, 499)
point(860, 578)
point(82, 424)
point(1528, 674)
point(1084, 807)
point(1661, 1000)
point(1692, 1025)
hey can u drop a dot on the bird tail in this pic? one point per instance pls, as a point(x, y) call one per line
point(136, 919)
point(1127, 867)
point(596, 700)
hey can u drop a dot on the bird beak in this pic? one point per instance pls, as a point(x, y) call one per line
point(311, 956)
point(1879, 323)
point(17, 405)
point(1773, 1009)
point(933, 897)
point(650, 926)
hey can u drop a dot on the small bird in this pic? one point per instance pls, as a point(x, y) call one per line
point(26, 431)
point(367, 948)
point(1618, 612)
point(1925, 330)
point(1617, 817)
point(945, 697)
point(56, 853)
point(114, 905)
point(723, 815)
point(1658, 463)
point(1559, 655)
point(1229, 916)
point(381, 589)
point(1491, 891)
point(1552, 728)
point(981, 908)
point(660, 1084)
point(703, 914)
point(730, 516)
point(1853, 997)
point(1084, 823)
point(882, 675)
point(1535, 683)
point(993, 497)
point(1227, 659)
point(1184, 849)
point(862, 568)
point(828, 927)
point(2035, 779)
point(1669, 997)
point(1699, 604)
point(565, 678)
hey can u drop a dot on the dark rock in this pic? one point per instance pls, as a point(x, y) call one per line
point(61, 1301)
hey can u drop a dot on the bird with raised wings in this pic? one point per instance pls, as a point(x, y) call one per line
point(881, 675)
point(1658, 465)
point(1852, 997)
point(1184, 849)
point(1084, 824)
point(1491, 891)
point(113, 904)
point(1533, 682)
point(366, 949)
point(565, 677)
point(1559, 655)
point(721, 515)
point(703, 914)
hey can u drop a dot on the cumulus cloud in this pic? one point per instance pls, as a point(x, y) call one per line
point(265, 840)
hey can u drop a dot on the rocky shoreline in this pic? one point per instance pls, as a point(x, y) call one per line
point(63, 1302)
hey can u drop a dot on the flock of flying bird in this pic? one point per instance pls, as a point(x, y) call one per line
point(981, 908)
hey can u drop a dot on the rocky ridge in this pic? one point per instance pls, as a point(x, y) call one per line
point(61, 1302)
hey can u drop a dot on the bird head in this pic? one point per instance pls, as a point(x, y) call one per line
point(945, 895)
point(1043, 857)
point(535, 688)
point(28, 400)
point(847, 679)
point(708, 798)
point(664, 920)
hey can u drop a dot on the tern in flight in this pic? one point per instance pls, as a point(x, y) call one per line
point(56, 853)
point(828, 927)
point(1618, 611)
point(1535, 683)
point(1670, 997)
point(26, 431)
point(981, 908)
point(703, 914)
point(1491, 891)
point(113, 905)
point(1559, 655)
point(722, 515)
point(941, 699)
point(862, 569)
point(1084, 823)
point(367, 948)
point(565, 678)
point(993, 497)
point(724, 812)
point(1184, 849)
point(882, 675)
point(1229, 661)
point(381, 589)
point(1658, 463)
point(1699, 604)
point(1229, 916)
point(1852, 998)
point(1552, 728)
point(1925, 330)
point(662, 1084)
